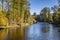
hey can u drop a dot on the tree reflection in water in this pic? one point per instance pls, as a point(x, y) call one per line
point(41, 31)
point(38, 31)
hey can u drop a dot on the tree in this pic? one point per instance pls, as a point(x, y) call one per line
point(27, 16)
point(55, 10)
point(3, 19)
point(34, 15)
point(50, 17)
point(45, 13)
point(16, 9)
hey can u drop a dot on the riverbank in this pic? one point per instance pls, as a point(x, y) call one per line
point(16, 26)
point(56, 24)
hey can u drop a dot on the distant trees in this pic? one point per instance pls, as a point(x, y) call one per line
point(34, 15)
point(44, 12)
point(56, 14)
point(45, 15)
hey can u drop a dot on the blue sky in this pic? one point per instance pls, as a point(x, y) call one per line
point(38, 5)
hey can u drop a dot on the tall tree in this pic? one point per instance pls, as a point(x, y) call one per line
point(55, 13)
point(44, 13)
point(16, 9)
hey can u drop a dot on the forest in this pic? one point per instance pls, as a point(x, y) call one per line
point(47, 16)
point(17, 12)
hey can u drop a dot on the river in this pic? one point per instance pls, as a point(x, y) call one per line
point(37, 31)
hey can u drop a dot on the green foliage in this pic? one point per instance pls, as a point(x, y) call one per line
point(45, 15)
point(15, 11)
point(56, 17)
point(35, 15)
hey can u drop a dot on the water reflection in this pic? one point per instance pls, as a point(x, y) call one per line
point(3, 34)
point(41, 31)
point(15, 34)
point(12, 34)
point(38, 31)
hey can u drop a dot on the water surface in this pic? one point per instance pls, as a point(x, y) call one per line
point(42, 31)
point(38, 31)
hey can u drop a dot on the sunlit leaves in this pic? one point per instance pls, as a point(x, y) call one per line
point(3, 19)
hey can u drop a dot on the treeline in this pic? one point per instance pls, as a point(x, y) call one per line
point(46, 15)
point(15, 12)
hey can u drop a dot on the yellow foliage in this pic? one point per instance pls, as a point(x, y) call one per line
point(3, 19)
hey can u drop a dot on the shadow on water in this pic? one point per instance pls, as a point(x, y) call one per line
point(1, 29)
point(3, 34)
